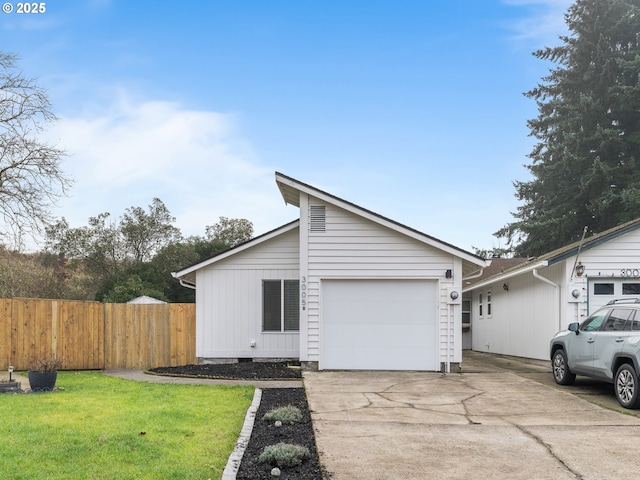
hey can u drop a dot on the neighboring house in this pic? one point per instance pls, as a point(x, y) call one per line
point(518, 310)
point(340, 288)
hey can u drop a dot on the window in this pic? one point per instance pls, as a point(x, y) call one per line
point(466, 311)
point(480, 304)
point(488, 304)
point(603, 288)
point(594, 322)
point(617, 320)
point(631, 288)
point(280, 305)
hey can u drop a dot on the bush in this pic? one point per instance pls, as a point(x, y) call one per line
point(284, 455)
point(288, 414)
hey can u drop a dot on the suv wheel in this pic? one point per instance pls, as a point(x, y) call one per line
point(561, 373)
point(626, 386)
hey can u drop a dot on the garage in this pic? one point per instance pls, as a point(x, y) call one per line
point(379, 324)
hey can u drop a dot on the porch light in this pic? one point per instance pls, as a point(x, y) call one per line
point(580, 269)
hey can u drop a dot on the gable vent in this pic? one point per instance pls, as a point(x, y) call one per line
point(317, 218)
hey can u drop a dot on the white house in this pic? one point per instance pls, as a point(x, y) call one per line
point(340, 288)
point(517, 311)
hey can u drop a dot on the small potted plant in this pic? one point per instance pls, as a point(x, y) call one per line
point(43, 377)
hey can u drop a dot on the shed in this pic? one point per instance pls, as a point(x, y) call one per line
point(340, 288)
point(145, 299)
point(516, 311)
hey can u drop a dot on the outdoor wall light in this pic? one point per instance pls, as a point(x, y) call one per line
point(448, 274)
point(10, 371)
point(575, 293)
point(580, 269)
point(505, 287)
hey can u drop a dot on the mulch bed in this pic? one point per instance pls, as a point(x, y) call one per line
point(265, 432)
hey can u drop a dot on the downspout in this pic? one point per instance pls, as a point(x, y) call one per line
point(554, 285)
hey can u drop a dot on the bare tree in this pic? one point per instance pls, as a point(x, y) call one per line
point(31, 177)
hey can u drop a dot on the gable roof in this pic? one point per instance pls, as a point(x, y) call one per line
point(187, 274)
point(559, 254)
point(290, 189)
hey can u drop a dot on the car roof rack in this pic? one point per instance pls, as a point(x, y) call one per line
point(624, 300)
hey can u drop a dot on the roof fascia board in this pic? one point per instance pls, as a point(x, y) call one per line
point(594, 242)
point(504, 276)
point(240, 248)
point(374, 217)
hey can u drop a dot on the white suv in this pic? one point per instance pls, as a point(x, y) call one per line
point(605, 346)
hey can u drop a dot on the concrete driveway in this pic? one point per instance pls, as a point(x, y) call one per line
point(490, 421)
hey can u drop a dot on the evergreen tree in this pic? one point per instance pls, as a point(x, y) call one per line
point(586, 163)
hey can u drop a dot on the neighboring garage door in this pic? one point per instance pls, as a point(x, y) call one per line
point(379, 325)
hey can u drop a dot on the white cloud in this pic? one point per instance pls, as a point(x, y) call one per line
point(545, 22)
point(194, 161)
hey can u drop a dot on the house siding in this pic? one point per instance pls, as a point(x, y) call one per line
point(229, 299)
point(531, 312)
point(523, 318)
point(353, 247)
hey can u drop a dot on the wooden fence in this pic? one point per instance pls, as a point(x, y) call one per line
point(93, 335)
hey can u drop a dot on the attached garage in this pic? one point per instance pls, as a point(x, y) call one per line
point(357, 291)
point(379, 324)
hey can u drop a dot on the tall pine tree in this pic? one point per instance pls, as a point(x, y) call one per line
point(586, 163)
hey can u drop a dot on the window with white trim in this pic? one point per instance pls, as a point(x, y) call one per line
point(489, 303)
point(480, 312)
point(280, 305)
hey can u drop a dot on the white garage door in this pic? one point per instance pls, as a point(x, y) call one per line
point(379, 325)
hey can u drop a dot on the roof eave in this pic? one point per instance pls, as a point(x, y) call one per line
point(288, 186)
point(504, 276)
point(237, 249)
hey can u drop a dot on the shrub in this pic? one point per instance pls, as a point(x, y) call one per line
point(47, 365)
point(288, 414)
point(284, 455)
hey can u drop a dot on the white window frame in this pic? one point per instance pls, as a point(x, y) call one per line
point(283, 309)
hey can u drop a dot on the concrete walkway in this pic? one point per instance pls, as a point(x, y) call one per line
point(486, 422)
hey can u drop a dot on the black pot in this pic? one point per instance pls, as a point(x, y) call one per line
point(42, 381)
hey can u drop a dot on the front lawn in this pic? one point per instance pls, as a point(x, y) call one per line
point(101, 427)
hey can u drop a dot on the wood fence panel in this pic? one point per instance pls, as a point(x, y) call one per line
point(6, 340)
point(92, 335)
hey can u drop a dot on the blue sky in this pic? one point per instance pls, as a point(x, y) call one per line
point(412, 109)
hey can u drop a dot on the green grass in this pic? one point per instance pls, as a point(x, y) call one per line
point(100, 427)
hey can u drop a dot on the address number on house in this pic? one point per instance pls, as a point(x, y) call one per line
point(630, 272)
point(303, 293)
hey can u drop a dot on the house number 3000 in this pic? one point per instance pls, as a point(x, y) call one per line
point(630, 272)
point(303, 293)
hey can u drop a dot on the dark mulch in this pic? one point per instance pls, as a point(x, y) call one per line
point(237, 371)
point(264, 432)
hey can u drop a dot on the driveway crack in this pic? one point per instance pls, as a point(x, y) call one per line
point(549, 449)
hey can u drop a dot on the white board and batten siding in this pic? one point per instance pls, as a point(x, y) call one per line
point(525, 317)
point(229, 302)
point(522, 319)
point(353, 250)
